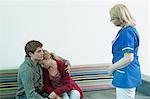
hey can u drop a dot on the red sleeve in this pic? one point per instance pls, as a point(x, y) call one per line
point(46, 81)
point(66, 79)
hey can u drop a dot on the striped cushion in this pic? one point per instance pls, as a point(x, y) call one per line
point(89, 78)
point(8, 84)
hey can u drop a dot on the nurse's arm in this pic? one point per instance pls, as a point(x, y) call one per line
point(123, 62)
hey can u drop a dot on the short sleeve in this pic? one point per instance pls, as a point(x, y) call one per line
point(127, 41)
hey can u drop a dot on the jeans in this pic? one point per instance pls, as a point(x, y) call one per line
point(73, 94)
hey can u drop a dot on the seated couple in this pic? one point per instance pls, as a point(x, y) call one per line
point(43, 75)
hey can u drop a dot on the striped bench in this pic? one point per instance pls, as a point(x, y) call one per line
point(91, 77)
point(88, 77)
point(8, 83)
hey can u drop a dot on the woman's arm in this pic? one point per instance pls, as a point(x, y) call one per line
point(53, 95)
point(66, 79)
point(46, 81)
point(123, 62)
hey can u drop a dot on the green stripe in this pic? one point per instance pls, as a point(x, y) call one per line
point(5, 91)
point(9, 71)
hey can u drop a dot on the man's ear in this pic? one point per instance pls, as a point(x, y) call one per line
point(30, 54)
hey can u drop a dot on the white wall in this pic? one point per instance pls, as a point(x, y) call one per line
point(77, 30)
point(147, 47)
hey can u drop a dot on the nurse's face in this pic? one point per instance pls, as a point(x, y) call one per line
point(116, 21)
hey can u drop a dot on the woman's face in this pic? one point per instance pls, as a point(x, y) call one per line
point(47, 62)
point(116, 21)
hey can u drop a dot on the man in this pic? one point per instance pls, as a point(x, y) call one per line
point(30, 80)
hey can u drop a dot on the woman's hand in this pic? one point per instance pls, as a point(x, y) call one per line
point(52, 95)
point(110, 69)
point(58, 97)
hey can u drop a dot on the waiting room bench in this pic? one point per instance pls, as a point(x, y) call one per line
point(88, 77)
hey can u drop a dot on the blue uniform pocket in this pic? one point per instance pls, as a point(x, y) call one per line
point(119, 78)
point(120, 71)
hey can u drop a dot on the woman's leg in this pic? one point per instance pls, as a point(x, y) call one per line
point(58, 97)
point(65, 96)
point(74, 94)
point(125, 93)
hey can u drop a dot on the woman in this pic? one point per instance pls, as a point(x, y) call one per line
point(125, 67)
point(57, 82)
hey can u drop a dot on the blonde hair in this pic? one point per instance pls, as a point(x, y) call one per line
point(121, 12)
point(51, 55)
point(46, 54)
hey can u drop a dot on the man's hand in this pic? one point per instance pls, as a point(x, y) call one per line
point(67, 69)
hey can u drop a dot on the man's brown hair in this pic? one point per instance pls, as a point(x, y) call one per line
point(31, 46)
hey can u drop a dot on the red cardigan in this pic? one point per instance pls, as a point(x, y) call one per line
point(68, 85)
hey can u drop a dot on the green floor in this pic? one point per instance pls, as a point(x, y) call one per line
point(108, 94)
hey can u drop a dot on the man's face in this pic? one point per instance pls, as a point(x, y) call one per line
point(38, 54)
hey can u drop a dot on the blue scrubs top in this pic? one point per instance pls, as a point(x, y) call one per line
point(126, 41)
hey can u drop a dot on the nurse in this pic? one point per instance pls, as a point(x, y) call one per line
point(125, 68)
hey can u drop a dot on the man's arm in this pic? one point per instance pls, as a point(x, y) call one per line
point(67, 62)
point(27, 80)
point(67, 69)
point(56, 57)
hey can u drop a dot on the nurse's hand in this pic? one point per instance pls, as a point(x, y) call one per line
point(110, 69)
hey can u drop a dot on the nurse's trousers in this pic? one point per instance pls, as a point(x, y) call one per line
point(125, 93)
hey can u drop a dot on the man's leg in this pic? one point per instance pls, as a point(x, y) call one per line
point(43, 93)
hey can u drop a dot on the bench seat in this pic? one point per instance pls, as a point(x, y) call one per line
point(89, 78)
